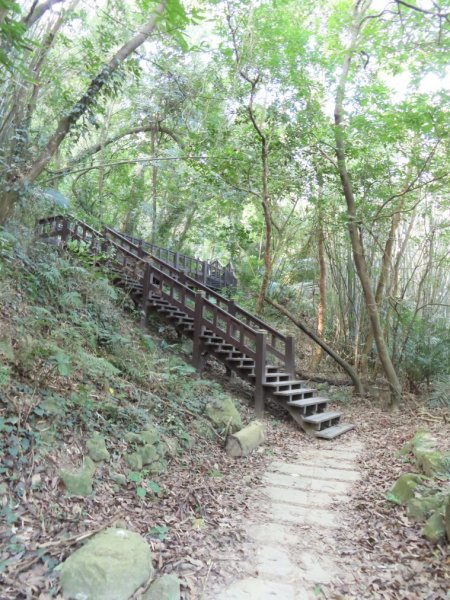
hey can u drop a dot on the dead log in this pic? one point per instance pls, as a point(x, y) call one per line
point(245, 440)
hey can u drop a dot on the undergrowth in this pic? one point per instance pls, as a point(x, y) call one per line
point(73, 357)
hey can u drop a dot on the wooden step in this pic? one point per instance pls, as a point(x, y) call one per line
point(242, 359)
point(306, 402)
point(332, 432)
point(322, 417)
point(299, 392)
point(277, 376)
point(287, 383)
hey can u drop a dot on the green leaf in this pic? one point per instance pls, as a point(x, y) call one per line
point(141, 492)
point(134, 476)
point(154, 487)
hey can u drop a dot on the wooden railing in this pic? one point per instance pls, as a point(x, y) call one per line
point(250, 335)
point(201, 270)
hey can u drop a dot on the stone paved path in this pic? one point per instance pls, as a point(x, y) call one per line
point(290, 549)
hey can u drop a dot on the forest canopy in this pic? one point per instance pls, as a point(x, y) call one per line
point(305, 142)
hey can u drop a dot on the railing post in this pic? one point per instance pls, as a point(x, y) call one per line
point(65, 231)
point(140, 251)
point(198, 329)
point(177, 260)
point(260, 372)
point(290, 356)
point(145, 292)
point(204, 272)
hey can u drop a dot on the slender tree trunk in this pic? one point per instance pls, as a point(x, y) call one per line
point(15, 180)
point(322, 278)
point(265, 201)
point(334, 355)
point(154, 186)
point(353, 227)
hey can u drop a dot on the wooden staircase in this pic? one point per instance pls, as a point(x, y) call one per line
point(219, 327)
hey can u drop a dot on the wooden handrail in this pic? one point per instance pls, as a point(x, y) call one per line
point(219, 314)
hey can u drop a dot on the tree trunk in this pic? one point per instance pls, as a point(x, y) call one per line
point(268, 223)
point(322, 275)
point(353, 227)
point(154, 186)
point(244, 441)
point(340, 361)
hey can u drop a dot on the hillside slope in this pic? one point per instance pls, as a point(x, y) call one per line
point(100, 421)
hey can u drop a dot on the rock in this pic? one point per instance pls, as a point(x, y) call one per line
point(134, 461)
point(166, 587)
point(447, 518)
point(110, 566)
point(403, 489)
point(434, 529)
point(420, 509)
point(3, 489)
point(150, 435)
point(245, 440)
point(223, 413)
point(432, 463)
point(119, 478)
point(120, 524)
point(204, 429)
point(79, 483)
point(423, 446)
point(157, 467)
point(97, 448)
point(132, 437)
point(149, 454)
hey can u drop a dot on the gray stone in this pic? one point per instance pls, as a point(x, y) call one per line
point(119, 478)
point(434, 529)
point(166, 587)
point(110, 566)
point(96, 448)
point(134, 461)
point(404, 488)
point(223, 413)
point(79, 483)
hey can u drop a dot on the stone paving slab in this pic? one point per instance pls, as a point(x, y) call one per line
point(254, 588)
point(292, 480)
point(291, 536)
point(315, 472)
point(300, 497)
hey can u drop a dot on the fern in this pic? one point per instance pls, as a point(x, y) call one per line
point(440, 395)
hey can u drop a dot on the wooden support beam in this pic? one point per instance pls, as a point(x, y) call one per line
point(197, 347)
point(260, 371)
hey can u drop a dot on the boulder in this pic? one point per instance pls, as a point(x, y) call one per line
point(79, 483)
point(134, 461)
point(420, 509)
point(110, 566)
point(119, 478)
point(424, 448)
point(223, 413)
point(434, 529)
point(96, 448)
point(447, 518)
point(166, 587)
point(404, 488)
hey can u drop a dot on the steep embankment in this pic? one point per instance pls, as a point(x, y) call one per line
point(102, 421)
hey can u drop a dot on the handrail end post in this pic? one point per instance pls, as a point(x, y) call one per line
point(197, 347)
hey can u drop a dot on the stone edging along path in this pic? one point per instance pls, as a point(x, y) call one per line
point(290, 545)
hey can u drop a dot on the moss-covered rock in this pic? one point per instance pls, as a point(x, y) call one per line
point(433, 463)
point(166, 587)
point(434, 529)
point(79, 483)
point(149, 454)
point(119, 478)
point(150, 435)
point(223, 413)
point(447, 517)
point(134, 461)
point(204, 429)
point(110, 566)
point(96, 448)
point(420, 509)
point(404, 488)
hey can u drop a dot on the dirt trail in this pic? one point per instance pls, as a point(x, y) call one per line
point(290, 547)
